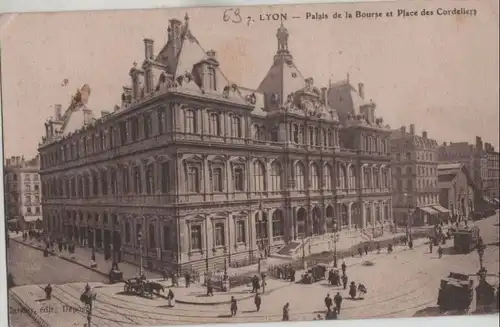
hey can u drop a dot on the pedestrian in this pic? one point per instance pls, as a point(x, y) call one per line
point(257, 301)
point(440, 252)
point(263, 285)
point(344, 281)
point(328, 301)
point(48, 291)
point(410, 244)
point(338, 301)
point(164, 274)
point(344, 267)
point(362, 291)
point(352, 290)
point(430, 246)
point(366, 249)
point(286, 312)
point(378, 247)
point(360, 252)
point(331, 277)
point(175, 280)
point(234, 306)
point(187, 278)
point(210, 288)
point(171, 298)
point(255, 283)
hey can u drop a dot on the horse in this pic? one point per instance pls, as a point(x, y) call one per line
point(155, 287)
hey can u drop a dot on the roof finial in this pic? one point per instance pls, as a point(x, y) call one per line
point(186, 18)
point(347, 77)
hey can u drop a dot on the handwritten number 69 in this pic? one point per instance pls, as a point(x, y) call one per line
point(232, 15)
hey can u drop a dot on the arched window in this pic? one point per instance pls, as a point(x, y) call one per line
point(191, 123)
point(278, 222)
point(352, 177)
point(214, 124)
point(236, 127)
point(314, 177)
point(150, 184)
point(276, 176)
point(259, 176)
point(299, 176)
point(137, 180)
point(341, 177)
point(327, 177)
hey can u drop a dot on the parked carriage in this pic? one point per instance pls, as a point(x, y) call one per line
point(456, 293)
point(115, 276)
point(466, 240)
point(134, 285)
point(314, 274)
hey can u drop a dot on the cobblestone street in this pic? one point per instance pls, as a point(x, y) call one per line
point(398, 285)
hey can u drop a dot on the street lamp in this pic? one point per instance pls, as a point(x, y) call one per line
point(408, 224)
point(139, 240)
point(335, 237)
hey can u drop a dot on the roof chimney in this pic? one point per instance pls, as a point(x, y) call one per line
point(403, 129)
point(57, 112)
point(424, 134)
point(148, 49)
point(324, 96)
point(361, 90)
point(445, 144)
point(211, 53)
point(175, 34)
point(412, 129)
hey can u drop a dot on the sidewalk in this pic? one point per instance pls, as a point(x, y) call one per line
point(82, 256)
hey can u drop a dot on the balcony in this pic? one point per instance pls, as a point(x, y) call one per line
point(376, 190)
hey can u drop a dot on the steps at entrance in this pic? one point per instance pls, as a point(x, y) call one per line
point(288, 249)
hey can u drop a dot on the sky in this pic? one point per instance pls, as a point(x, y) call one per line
point(439, 73)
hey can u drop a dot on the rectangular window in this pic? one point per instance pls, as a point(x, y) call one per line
point(212, 85)
point(196, 238)
point(113, 182)
point(125, 178)
point(238, 180)
point(127, 232)
point(220, 239)
point(137, 180)
point(240, 231)
point(194, 179)
point(134, 127)
point(161, 119)
point(123, 132)
point(167, 241)
point(148, 126)
point(151, 236)
point(111, 137)
point(217, 180)
point(104, 183)
point(236, 127)
point(165, 177)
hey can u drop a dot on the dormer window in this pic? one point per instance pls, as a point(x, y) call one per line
point(212, 85)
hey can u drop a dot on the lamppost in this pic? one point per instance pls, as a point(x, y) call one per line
point(335, 237)
point(139, 240)
point(408, 223)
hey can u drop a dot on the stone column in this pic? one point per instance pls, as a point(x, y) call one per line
point(363, 215)
point(269, 226)
point(349, 214)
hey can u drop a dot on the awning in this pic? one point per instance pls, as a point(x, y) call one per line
point(14, 220)
point(487, 199)
point(441, 209)
point(29, 219)
point(428, 210)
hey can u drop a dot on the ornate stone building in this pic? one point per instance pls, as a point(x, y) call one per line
point(211, 172)
point(22, 192)
point(491, 183)
point(456, 190)
point(415, 178)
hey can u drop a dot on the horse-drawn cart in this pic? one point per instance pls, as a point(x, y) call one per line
point(142, 287)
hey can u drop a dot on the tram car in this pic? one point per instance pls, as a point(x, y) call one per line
point(465, 240)
point(456, 293)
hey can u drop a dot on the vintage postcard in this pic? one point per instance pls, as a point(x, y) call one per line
point(251, 164)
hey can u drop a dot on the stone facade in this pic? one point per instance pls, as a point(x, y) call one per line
point(22, 191)
point(212, 172)
point(456, 190)
point(415, 177)
point(491, 183)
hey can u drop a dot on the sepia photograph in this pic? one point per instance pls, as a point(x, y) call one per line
point(251, 164)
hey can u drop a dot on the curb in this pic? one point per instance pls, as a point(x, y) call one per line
point(39, 320)
point(228, 301)
point(64, 258)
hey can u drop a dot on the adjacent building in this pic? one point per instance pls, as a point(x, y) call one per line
point(415, 178)
point(491, 185)
point(22, 192)
point(475, 158)
point(198, 171)
point(457, 190)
